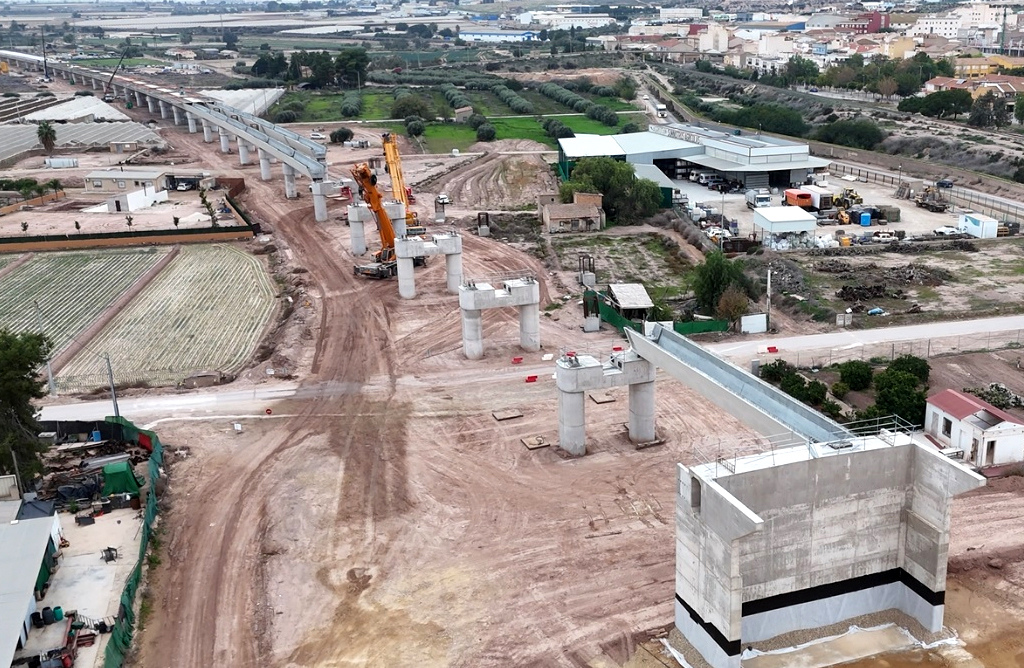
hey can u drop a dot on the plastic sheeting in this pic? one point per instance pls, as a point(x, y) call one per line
point(803, 240)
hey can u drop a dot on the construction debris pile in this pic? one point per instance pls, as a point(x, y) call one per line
point(802, 240)
point(916, 274)
point(998, 395)
point(74, 471)
point(962, 245)
point(859, 293)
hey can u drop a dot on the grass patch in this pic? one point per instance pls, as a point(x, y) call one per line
point(584, 125)
point(613, 103)
point(521, 128)
point(112, 62)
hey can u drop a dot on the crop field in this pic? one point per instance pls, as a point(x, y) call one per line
point(72, 289)
point(207, 310)
point(7, 258)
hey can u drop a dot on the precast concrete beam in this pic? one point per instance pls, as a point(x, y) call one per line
point(472, 334)
point(191, 119)
point(265, 174)
point(289, 182)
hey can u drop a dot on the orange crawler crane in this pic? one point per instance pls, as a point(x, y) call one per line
point(384, 264)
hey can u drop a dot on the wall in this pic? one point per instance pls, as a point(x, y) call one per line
point(35, 201)
point(144, 238)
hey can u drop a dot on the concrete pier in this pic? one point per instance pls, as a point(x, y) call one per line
point(575, 375)
point(406, 278)
point(225, 140)
point(95, 86)
point(151, 103)
point(207, 132)
point(190, 117)
point(449, 245)
point(472, 334)
point(243, 151)
point(319, 192)
point(476, 296)
point(163, 109)
point(177, 115)
point(289, 182)
point(453, 270)
point(138, 99)
point(265, 174)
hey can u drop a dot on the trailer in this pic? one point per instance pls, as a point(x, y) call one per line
point(798, 197)
point(821, 198)
point(979, 226)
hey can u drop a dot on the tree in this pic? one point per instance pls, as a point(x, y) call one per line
point(54, 185)
point(897, 393)
point(415, 128)
point(24, 227)
point(1018, 108)
point(713, 278)
point(732, 304)
point(47, 136)
point(631, 127)
point(989, 110)
point(858, 133)
point(128, 221)
point(704, 65)
point(410, 105)
point(78, 226)
point(350, 66)
point(341, 135)
point(185, 37)
point(175, 220)
point(230, 40)
point(856, 375)
point(476, 120)
point(486, 132)
point(626, 199)
point(916, 366)
point(20, 357)
point(887, 87)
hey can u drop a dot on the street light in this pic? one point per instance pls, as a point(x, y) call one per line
point(901, 175)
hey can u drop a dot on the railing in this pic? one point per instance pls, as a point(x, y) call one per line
point(495, 280)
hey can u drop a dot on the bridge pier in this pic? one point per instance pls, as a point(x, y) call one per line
point(191, 122)
point(243, 151)
point(163, 109)
point(151, 103)
point(320, 201)
point(177, 114)
point(265, 174)
point(207, 132)
point(289, 182)
point(94, 84)
point(225, 146)
point(138, 99)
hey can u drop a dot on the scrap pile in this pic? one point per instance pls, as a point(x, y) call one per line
point(73, 471)
point(859, 293)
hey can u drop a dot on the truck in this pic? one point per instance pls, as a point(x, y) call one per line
point(758, 198)
point(798, 197)
point(821, 198)
point(979, 226)
point(662, 110)
point(932, 200)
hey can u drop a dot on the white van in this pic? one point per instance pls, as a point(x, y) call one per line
point(700, 177)
point(706, 177)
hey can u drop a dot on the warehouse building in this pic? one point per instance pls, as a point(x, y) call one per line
point(677, 149)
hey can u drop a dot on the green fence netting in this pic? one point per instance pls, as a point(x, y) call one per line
point(613, 318)
point(124, 626)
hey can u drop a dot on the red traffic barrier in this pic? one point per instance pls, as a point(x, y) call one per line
point(269, 411)
point(617, 349)
point(773, 349)
point(571, 353)
point(517, 360)
point(531, 379)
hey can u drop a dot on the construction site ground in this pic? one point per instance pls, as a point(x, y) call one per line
point(391, 520)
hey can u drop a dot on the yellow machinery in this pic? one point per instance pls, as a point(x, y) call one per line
point(384, 264)
point(3, 68)
point(393, 165)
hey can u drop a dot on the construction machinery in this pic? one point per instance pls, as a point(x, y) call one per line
point(384, 264)
point(849, 197)
point(930, 198)
point(108, 96)
point(393, 166)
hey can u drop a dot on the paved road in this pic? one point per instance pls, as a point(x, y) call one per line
point(855, 338)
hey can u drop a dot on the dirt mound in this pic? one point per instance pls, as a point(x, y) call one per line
point(859, 293)
point(503, 145)
point(501, 182)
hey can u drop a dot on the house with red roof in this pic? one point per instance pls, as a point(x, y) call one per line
point(986, 435)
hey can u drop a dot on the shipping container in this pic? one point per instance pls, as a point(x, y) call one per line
point(800, 198)
point(978, 225)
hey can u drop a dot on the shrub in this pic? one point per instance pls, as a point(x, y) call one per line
point(341, 135)
point(794, 385)
point(81, 93)
point(774, 372)
point(565, 96)
point(285, 116)
point(11, 94)
point(476, 120)
point(415, 129)
point(603, 91)
point(831, 409)
point(351, 104)
point(913, 365)
point(486, 132)
point(856, 374)
point(603, 114)
point(512, 99)
point(840, 389)
point(455, 97)
point(815, 393)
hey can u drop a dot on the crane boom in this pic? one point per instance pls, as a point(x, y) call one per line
point(385, 258)
point(393, 160)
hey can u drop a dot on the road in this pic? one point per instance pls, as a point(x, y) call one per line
point(854, 338)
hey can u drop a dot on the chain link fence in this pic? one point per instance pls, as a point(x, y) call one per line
point(886, 352)
point(84, 383)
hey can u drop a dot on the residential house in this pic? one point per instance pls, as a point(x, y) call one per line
point(123, 180)
point(972, 68)
point(986, 435)
point(583, 215)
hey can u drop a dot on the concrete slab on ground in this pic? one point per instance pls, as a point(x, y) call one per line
point(852, 645)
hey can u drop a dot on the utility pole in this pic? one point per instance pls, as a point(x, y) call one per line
point(113, 390)
point(768, 300)
point(49, 370)
point(17, 473)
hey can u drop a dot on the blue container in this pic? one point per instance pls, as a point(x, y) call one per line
point(96, 435)
point(865, 219)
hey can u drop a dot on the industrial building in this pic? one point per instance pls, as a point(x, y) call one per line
point(28, 555)
point(802, 537)
point(677, 149)
point(495, 36)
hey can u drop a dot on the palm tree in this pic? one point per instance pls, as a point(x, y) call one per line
point(47, 136)
point(26, 192)
point(55, 185)
point(39, 189)
point(128, 220)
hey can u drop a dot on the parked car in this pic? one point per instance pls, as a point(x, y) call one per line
point(944, 183)
point(714, 181)
point(182, 187)
point(443, 199)
point(317, 135)
point(945, 230)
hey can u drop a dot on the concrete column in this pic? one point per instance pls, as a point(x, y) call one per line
point(225, 146)
point(151, 103)
point(163, 109)
point(289, 182)
point(453, 265)
point(319, 190)
point(207, 132)
point(406, 278)
point(572, 422)
point(264, 164)
point(641, 412)
point(177, 115)
point(73, 82)
point(243, 151)
point(191, 121)
point(529, 327)
point(472, 334)
point(357, 235)
point(94, 84)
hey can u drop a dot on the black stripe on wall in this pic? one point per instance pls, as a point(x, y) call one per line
point(844, 587)
point(730, 647)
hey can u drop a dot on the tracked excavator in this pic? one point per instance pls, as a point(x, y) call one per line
point(393, 166)
point(385, 264)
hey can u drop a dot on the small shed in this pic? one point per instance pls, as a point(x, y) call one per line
point(784, 219)
point(462, 114)
point(583, 215)
point(630, 300)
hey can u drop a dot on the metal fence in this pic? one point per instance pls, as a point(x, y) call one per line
point(886, 352)
point(82, 383)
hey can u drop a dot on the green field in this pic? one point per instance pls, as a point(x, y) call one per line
point(207, 310)
point(71, 288)
point(544, 105)
point(588, 126)
point(613, 103)
point(376, 106)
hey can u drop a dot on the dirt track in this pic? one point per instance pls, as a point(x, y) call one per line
point(396, 523)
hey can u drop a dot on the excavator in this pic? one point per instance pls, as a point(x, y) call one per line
point(385, 264)
point(393, 166)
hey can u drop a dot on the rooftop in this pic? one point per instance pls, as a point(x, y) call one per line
point(568, 211)
point(630, 295)
point(654, 174)
point(962, 406)
point(784, 214)
point(81, 107)
point(590, 146)
point(22, 547)
point(124, 174)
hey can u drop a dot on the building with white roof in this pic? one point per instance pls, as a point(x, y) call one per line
point(26, 558)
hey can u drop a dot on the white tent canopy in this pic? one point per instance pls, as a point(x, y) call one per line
point(783, 219)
